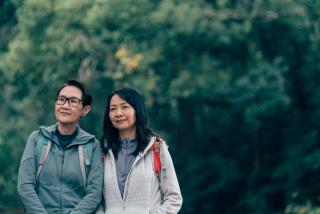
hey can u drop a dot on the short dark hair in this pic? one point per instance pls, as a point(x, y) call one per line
point(86, 96)
point(110, 138)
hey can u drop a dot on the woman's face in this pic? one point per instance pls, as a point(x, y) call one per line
point(122, 115)
point(70, 114)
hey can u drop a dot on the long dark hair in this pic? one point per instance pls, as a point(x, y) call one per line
point(110, 137)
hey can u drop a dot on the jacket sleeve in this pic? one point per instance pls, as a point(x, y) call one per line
point(172, 198)
point(101, 207)
point(26, 177)
point(90, 201)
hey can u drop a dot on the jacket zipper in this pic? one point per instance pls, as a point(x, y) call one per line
point(61, 177)
point(139, 156)
point(125, 193)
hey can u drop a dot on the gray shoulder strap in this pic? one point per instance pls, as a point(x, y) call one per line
point(82, 167)
point(44, 151)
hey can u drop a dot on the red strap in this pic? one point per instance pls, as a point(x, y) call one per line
point(156, 157)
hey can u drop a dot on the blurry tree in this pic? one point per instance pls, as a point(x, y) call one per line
point(232, 85)
point(8, 153)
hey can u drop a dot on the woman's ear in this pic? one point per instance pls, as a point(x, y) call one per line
point(86, 110)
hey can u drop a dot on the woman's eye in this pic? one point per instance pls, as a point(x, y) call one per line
point(61, 98)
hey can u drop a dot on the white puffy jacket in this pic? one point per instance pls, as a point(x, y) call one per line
point(144, 192)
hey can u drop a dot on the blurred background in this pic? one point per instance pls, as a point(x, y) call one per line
point(232, 85)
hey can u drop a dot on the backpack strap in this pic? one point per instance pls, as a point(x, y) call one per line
point(41, 153)
point(85, 153)
point(156, 156)
point(42, 150)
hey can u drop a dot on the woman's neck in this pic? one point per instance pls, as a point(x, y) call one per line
point(127, 134)
point(66, 129)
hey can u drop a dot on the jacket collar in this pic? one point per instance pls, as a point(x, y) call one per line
point(151, 141)
point(82, 136)
point(141, 153)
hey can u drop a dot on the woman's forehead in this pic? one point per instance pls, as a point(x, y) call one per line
point(71, 91)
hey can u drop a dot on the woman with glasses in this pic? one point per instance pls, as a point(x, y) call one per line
point(61, 168)
point(132, 184)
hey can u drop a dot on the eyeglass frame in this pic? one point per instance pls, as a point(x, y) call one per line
point(67, 99)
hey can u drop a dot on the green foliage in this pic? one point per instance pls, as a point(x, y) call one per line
point(7, 23)
point(233, 86)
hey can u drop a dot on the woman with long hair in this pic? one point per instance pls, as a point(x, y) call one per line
point(133, 181)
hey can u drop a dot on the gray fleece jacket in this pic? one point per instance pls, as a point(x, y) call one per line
point(60, 187)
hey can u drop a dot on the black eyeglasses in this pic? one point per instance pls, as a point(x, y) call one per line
point(72, 101)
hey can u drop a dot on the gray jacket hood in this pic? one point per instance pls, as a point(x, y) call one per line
point(82, 137)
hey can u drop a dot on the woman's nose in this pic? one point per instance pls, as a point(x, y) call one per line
point(66, 104)
point(118, 112)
